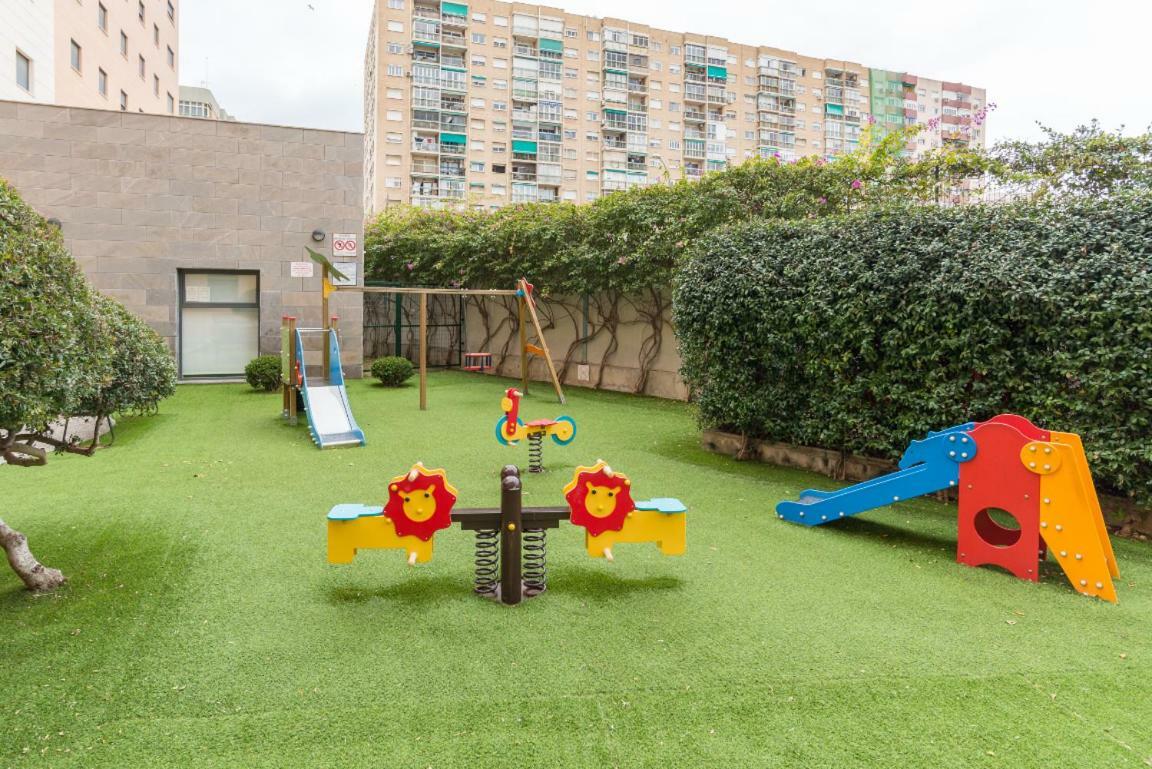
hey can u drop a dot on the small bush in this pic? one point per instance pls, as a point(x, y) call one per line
point(263, 373)
point(392, 371)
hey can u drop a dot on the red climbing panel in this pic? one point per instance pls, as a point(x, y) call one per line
point(995, 478)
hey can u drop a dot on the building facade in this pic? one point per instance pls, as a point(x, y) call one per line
point(201, 103)
point(490, 103)
point(198, 227)
point(103, 54)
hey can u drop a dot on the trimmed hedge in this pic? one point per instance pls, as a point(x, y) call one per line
point(263, 373)
point(863, 332)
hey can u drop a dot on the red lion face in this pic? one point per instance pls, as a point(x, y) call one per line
point(599, 498)
point(420, 502)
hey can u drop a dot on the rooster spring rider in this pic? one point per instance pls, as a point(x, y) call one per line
point(1040, 477)
point(511, 541)
point(510, 430)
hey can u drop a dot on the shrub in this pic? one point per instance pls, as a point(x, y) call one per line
point(863, 332)
point(391, 370)
point(54, 352)
point(143, 372)
point(263, 373)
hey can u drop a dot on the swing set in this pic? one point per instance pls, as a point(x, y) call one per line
point(525, 314)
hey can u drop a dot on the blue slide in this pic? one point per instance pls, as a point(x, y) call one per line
point(330, 419)
point(927, 466)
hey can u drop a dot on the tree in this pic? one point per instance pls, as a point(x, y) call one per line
point(64, 350)
point(1089, 161)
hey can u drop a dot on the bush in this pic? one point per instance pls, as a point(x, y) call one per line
point(863, 332)
point(143, 372)
point(392, 371)
point(263, 373)
point(54, 352)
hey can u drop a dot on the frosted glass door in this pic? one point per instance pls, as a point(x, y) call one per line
point(219, 322)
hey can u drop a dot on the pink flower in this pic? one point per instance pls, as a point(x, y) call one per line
point(822, 200)
point(411, 266)
point(620, 260)
point(871, 120)
point(857, 184)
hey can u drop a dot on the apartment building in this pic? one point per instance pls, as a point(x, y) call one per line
point(101, 54)
point(201, 103)
point(490, 103)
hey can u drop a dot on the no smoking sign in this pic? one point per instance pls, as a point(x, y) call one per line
point(344, 245)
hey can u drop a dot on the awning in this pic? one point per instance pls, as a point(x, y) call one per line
point(453, 138)
point(524, 146)
point(718, 72)
point(616, 112)
point(551, 45)
point(834, 109)
point(457, 9)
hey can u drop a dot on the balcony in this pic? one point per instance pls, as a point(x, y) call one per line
point(615, 143)
point(615, 124)
point(694, 92)
point(452, 149)
point(421, 12)
point(431, 124)
point(425, 168)
point(455, 20)
point(549, 136)
point(525, 94)
point(526, 50)
point(694, 116)
point(525, 30)
point(430, 148)
point(695, 58)
point(452, 61)
point(453, 39)
point(636, 86)
point(523, 176)
point(717, 96)
point(524, 115)
point(431, 36)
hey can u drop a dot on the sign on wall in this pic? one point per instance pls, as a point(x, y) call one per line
point(349, 270)
point(301, 269)
point(345, 245)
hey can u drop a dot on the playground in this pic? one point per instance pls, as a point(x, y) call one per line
point(202, 624)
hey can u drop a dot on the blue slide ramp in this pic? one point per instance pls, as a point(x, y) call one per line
point(330, 419)
point(928, 465)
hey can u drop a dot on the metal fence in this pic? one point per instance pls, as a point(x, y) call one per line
point(392, 327)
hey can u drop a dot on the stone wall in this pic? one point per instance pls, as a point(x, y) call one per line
point(625, 349)
point(140, 197)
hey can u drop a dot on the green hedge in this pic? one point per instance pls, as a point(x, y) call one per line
point(631, 240)
point(860, 333)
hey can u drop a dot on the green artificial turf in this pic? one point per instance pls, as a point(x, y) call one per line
point(203, 627)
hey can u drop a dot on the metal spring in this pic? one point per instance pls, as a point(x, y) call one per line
point(487, 562)
point(536, 452)
point(534, 572)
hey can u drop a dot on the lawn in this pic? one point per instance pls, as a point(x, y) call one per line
point(203, 627)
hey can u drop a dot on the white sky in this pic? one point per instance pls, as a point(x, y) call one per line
point(1061, 62)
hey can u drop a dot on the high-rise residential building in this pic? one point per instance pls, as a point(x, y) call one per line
point(103, 54)
point(201, 103)
point(489, 103)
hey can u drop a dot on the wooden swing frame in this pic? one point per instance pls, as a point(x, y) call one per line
point(526, 306)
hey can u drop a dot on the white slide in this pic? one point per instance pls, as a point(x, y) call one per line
point(331, 416)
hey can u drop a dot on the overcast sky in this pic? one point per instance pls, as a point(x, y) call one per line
point(1056, 61)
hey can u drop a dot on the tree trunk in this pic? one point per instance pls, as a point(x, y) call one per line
point(36, 575)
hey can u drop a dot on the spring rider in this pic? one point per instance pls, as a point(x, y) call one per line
point(510, 430)
point(1038, 477)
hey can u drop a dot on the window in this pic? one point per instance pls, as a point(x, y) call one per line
point(395, 48)
point(171, 58)
point(396, 5)
point(395, 70)
point(102, 83)
point(156, 35)
point(499, 42)
point(102, 18)
point(476, 165)
point(140, 11)
point(394, 115)
point(123, 102)
point(570, 33)
point(480, 17)
point(219, 322)
point(76, 56)
point(140, 66)
point(123, 43)
point(395, 26)
point(500, 21)
point(156, 85)
point(24, 72)
point(171, 104)
point(394, 93)
point(171, 11)
point(478, 38)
